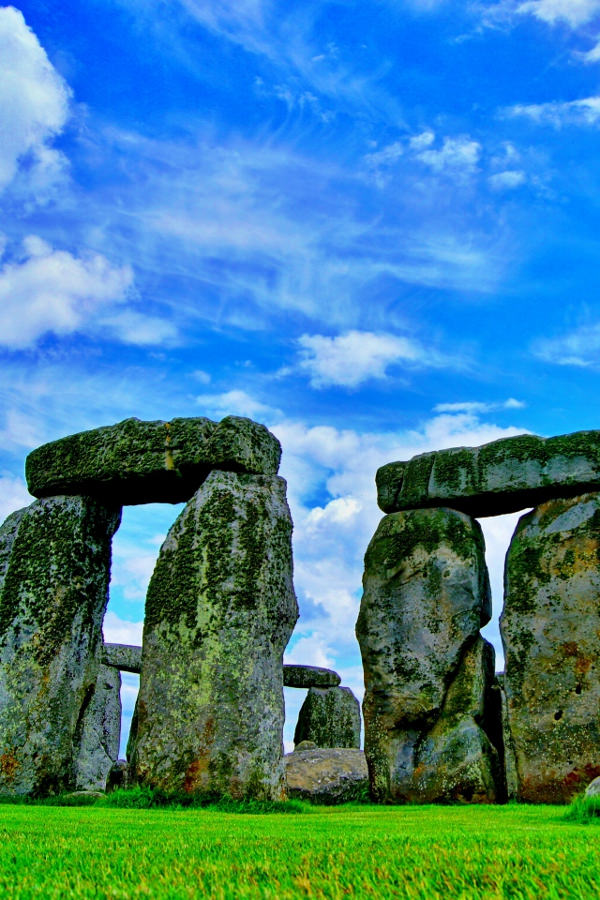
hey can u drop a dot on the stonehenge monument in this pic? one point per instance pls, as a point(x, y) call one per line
point(440, 725)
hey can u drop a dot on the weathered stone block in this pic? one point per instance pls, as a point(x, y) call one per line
point(427, 671)
point(126, 657)
point(500, 477)
point(309, 676)
point(330, 717)
point(144, 462)
point(54, 574)
point(551, 633)
point(97, 744)
point(328, 776)
point(219, 613)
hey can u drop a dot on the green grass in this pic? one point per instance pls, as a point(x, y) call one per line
point(519, 852)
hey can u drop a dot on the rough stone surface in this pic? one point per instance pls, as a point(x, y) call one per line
point(500, 477)
point(100, 732)
point(54, 574)
point(328, 776)
point(330, 717)
point(551, 633)
point(126, 657)
point(593, 788)
point(427, 670)
point(144, 462)
point(118, 777)
point(309, 676)
point(220, 610)
point(510, 761)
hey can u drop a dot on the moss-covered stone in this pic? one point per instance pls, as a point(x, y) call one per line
point(499, 477)
point(426, 594)
point(551, 633)
point(309, 676)
point(126, 657)
point(98, 737)
point(219, 613)
point(54, 574)
point(144, 462)
point(330, 717)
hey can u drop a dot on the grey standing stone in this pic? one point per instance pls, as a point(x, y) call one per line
point(309, 676)
point(500, 477)
point(550, 628)
point(327, 775)
point(97, 745)
point(593, 788)
point(144, 462)
point(54, 574)
point(220, 610)
point(330, 717)
point(126, 657)
point(427, 671)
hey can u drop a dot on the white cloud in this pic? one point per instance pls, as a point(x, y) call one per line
point(53, 291)
point(573, 112)
point(573, 12)
point(579, 348)
point(234, 403)
point(456, 155)
point(120, 631)
point(34, 105)
point(475, 407)
point(507, 180)
point(13, 495)
point(354, 357)
point(590, 56)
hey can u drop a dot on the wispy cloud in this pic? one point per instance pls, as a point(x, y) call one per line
point(354, 357)
point(580, 348)
point(573, 112)
point(572, 12)
point(477, 407)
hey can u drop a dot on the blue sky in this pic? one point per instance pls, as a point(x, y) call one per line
point(372, 226)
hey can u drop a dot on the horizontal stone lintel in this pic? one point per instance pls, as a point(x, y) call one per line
point(136, 462)
point(500, 477)
point(128, 658)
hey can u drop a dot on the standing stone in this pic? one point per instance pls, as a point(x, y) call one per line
point(54, 574)
point(220, 610)
point(551, 633)
point(427, 672)
point(100, 732)
point(330, 717)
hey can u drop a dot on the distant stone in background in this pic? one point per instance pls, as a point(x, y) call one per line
point(593, 788)
point(118, 777)
point(149, 462)
point(54, 574)
point(309, 676)
point(125, 657)
point(327, 775)
point(97, 744)
point(427, 670)
point(219, 613)
point(330, 717)
point(500, 477)
point(551, 633)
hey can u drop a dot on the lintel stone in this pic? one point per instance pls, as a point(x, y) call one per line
point(500, 477)
point(126, 657)
point(309, 677)
point(136, 462)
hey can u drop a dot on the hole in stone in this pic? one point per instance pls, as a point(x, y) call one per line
point(134, 553)
point(577, 688)
point(558, 715)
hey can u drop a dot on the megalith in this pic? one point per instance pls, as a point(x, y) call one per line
point(219, 612)
point(97, 744)
point(427, 670)
point(54, 574)
point(330, 717)
point(550, 629)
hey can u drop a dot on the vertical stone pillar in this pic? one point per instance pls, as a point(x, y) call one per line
point(551, 633)
point(428, 672)
point(54, 574)
point(330, 717)
point(220, 610)
point(97, 744)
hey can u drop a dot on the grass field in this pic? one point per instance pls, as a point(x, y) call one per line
point(358, 851)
